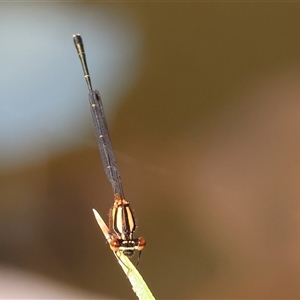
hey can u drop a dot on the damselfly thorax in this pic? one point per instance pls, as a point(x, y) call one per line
point(122, 226)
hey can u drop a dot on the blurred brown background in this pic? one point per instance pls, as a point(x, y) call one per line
point(207, 142)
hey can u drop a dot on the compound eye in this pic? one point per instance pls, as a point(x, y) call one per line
point(141, 243)
point(115, 244)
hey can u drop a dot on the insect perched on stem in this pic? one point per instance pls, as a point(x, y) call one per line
point(121, 219)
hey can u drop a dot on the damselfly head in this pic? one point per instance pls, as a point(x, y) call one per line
point(128, 247)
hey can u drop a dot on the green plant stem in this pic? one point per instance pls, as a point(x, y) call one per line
point(138, 284)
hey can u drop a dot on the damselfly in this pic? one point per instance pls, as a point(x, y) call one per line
point(121, 219)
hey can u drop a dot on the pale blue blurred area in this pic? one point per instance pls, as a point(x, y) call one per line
point(43, 96)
